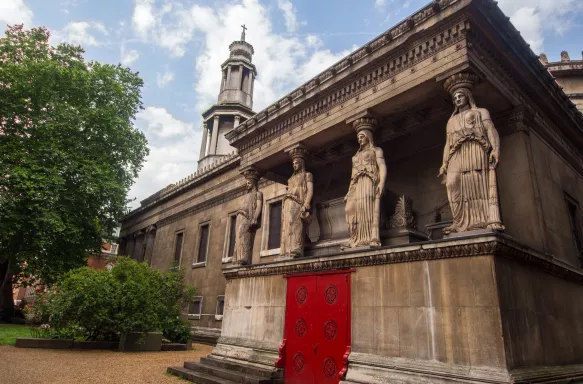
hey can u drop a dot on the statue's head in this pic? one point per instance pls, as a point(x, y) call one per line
point(298, 164)
point(364, 138)
point(462, 98)
point(251, 184)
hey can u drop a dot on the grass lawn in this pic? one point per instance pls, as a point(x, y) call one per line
point(9, 333)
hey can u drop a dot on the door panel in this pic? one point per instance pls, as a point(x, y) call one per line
point(331, 326)
point(317, 327)
point(300, 306)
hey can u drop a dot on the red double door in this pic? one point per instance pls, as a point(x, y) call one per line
point(317, 327)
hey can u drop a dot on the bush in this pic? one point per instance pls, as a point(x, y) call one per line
point(132, 297)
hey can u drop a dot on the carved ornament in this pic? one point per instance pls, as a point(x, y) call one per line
point(404, 216)
point(460, 80)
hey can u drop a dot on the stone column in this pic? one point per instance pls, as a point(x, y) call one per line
point(214, 136)
point(228, 84)
point(237, 121)
point(203, 143)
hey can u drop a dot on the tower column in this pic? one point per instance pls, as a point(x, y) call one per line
point(228, 84)
point(214, 135)
point(203, 143)
point(249, 89)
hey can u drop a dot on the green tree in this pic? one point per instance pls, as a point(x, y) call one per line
point(132, 297)
point(68, 153)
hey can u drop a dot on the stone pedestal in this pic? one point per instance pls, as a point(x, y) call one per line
point(467, 310)
point(399, 236)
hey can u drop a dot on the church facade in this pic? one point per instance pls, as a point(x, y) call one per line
point(411, 214)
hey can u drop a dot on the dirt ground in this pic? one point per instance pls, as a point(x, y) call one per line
point(31, 366)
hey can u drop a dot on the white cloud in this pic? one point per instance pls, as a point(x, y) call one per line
point(380, 3)
point(127, 58)
point(174, 147)
point(14, 12)
point(157, 122)
point(164, 79)
point(289, 14)
point(535, 17)
point(143, 18)
point(85, 33)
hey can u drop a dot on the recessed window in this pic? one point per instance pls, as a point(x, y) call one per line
point(178, 247)
point(274, 235)
point(203, 242)
point(220, 307)
point(195, 308)
point(232, 235)
point(575, 220)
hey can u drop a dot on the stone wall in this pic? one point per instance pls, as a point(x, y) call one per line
point(541, 316)
point(435, 310)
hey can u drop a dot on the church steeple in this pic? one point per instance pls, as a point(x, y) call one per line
point(234, 102)
point(238, 74)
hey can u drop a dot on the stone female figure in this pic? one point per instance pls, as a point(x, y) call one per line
point(367, 183)
point(247, 219)
point(470, 158)
point(295, 215)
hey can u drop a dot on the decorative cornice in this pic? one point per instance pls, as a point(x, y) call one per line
point(403, 58)
point(498, 245)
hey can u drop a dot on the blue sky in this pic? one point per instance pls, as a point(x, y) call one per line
point(177, 46)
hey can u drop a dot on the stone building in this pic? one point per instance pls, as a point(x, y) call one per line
point(569, 75)
point(397, 275)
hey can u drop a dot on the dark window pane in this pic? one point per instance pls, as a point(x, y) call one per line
point(204, 239)
point(232, 235)
point(576, 228)
point(178, 247)
point(195, 307)
point(274, 238)
point(221, 305)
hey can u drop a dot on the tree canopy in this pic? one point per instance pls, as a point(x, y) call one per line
point(68, 152)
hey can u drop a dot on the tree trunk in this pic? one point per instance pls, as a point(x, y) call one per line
point(6, 299)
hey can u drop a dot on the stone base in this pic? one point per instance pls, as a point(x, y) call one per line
point(325, 247)
point(475, 232)
point(399, 236)
point(374, 369)
point(208, 336)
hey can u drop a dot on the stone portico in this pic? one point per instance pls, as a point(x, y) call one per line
point(472, 307)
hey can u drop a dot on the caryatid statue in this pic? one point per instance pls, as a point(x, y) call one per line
point(470, 158)
point(295, 215)
point(367, 184)
point(248, 218)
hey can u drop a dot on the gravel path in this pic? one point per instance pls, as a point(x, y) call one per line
point(32, 366)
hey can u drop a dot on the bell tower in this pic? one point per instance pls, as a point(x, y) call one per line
point(234, 102)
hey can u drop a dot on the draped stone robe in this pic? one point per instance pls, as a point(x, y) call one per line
point(362, 202)
point(293, 221)
point(471, 184)
point(245, 233)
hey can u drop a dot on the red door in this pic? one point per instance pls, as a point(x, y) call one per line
point(317, 327)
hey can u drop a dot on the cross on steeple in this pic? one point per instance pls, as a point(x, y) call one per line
point(243, 33)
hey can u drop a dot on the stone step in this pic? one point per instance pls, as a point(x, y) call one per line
point(197, 377)
point(235, 376)
point(203, 339)
point(244, 368)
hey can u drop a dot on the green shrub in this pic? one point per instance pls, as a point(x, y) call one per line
point(131, 297)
